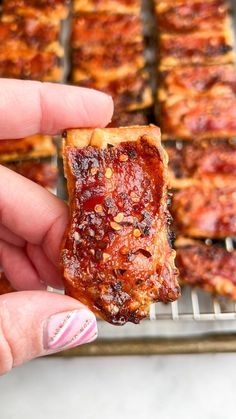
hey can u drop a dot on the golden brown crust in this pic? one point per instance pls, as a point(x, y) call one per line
point(209, 267)
point(102, 137)
point(194, 164)
point(205, 211)
point(26, 148)
point(106, 63)
point(116, 257)
point(198, 118)
point(197, 48)
point(110, 6)
point(183, 16)
point(94, 28)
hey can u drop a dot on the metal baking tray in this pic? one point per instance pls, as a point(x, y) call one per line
point(197, 322)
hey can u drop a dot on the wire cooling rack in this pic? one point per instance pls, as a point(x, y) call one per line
point(197, 322)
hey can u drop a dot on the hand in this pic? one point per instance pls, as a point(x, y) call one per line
point(32, 224)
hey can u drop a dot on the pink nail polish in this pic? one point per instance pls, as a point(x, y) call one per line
point(69, 329)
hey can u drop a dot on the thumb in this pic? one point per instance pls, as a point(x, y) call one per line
point(37, 323)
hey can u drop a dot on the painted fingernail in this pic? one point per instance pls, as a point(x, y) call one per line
point(69, 329)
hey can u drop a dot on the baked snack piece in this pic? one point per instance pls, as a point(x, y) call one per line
point(124, 119)
point(129, 93)
point(110, 6)
point(53, 10)
point(205, 211)
point(207, 163)
point(196, 48)
point(116, 256)
point(34, 146)
point(198, 118)
point(106, 62)
point(209, 267)
point(32, 31)
point(95, 28)
point(41, 172)
point(214, 80)
point(19, 60)
point(5, 286)
point(183, 16)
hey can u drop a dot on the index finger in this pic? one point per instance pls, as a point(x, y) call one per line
point(31, 107)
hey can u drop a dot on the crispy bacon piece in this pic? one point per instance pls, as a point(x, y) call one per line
point(101, 27)
point(26, 148)
point(205, 211)
point(214, 80)
point(197, 48)
point(5, 286)
point(110, 6)
point(53, 10)
point(125, 119)
point(103, 63)
point(182, 16)
point(19, 60)
point(43, 173)
point(129, 93)
point(116, 256)
point(31, 31)
point(39, 66)
point(198, 118)
point(209, 267)
point(209, 163)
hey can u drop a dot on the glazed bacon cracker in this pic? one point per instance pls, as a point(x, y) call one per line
point(200, 48)
point(196, 90)
point(100, 27)
point(52, 10)
point(205, 211)
point(27, 148)
point(210, 81)
point(108, 52)
point(32, 30)
point(116, 256)
point(199, 118)
point(30, 33)
point(214, 268)
point(107, 64)
point(131, 92)
point(26, 63)
point(183, 16)
point(193, 164)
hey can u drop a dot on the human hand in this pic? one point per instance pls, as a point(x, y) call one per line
point(34, 322)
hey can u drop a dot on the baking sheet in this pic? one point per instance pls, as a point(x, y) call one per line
point(164, 332)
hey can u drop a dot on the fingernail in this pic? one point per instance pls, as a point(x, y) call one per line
point(69, 329)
